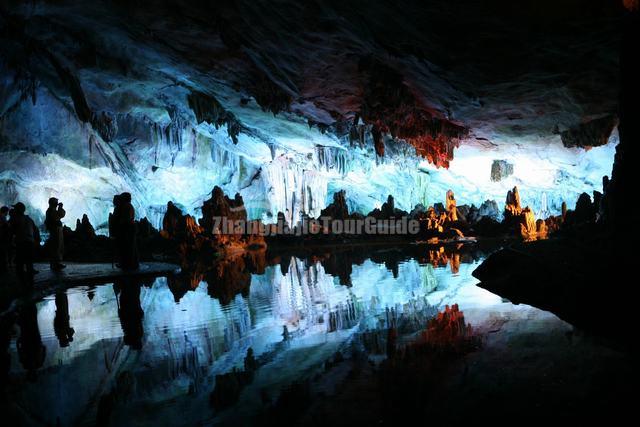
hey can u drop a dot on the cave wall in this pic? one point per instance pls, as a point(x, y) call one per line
point(287, 104)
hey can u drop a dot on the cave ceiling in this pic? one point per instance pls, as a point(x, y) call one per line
point(433, 73)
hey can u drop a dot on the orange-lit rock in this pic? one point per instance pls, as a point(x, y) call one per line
point(452, 211)
point(392, 107)
point(171, 220)
point(441, 257)
point(221, 206)
point(528, 229)
point(631, 5)
point(512, 204)
point(448, 328)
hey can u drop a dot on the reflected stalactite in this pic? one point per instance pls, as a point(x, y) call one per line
point(338, 266)
point(227, 279)
point(185, 281)
point(418, 368)
point(345, 316)
point(228, 386)
point(447, 329)
point(442, 257)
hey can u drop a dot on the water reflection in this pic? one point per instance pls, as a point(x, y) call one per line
point(226, 338)
point(130, 311)
point(31, 351)
point(61, 324)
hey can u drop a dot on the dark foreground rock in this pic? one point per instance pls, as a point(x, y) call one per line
point(574, 277)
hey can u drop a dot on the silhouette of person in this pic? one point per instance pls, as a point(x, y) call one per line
point(61, 326)
point(130, 311)
point(27, 238)
point(126, 233)
point(31, 351)
point(113, 231)
point(5, 240)
point(113, 227)
point(53, 223)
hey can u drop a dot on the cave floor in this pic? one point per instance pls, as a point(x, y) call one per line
point(48, 280)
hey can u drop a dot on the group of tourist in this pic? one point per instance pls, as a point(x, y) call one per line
point(20, 236)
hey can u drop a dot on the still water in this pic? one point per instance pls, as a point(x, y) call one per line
point(147, 354)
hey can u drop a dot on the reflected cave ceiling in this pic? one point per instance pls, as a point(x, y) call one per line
point(434, 74)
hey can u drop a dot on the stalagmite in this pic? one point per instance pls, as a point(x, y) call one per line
point(512, 204)
point(452, 211)
point(528, 229)
point(338, 209)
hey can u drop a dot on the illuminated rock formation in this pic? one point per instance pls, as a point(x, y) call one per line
point(220, 206)
point(512, 204)
point(195, 242)
point(528, 228)
point(393, 108)
point(541, 228)
point(501, 169)
point(452, 212)
point(523, 220)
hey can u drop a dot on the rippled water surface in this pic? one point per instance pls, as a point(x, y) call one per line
point(142, 354)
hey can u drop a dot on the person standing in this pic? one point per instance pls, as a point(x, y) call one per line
point(126, 233)
point(5, 241)
point(26, 237)
point(53, 223)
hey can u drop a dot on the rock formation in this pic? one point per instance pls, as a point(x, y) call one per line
point(452, 212)
point(584, 213)
point(593, 133)
point(84, 228)
point(220, 206)
point(500, 169)
point(338, 209)
point(528, 228)
point(512, 204)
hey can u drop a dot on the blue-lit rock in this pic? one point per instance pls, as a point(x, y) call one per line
point(110, 99)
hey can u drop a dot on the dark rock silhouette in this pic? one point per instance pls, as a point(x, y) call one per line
point(338, 209)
